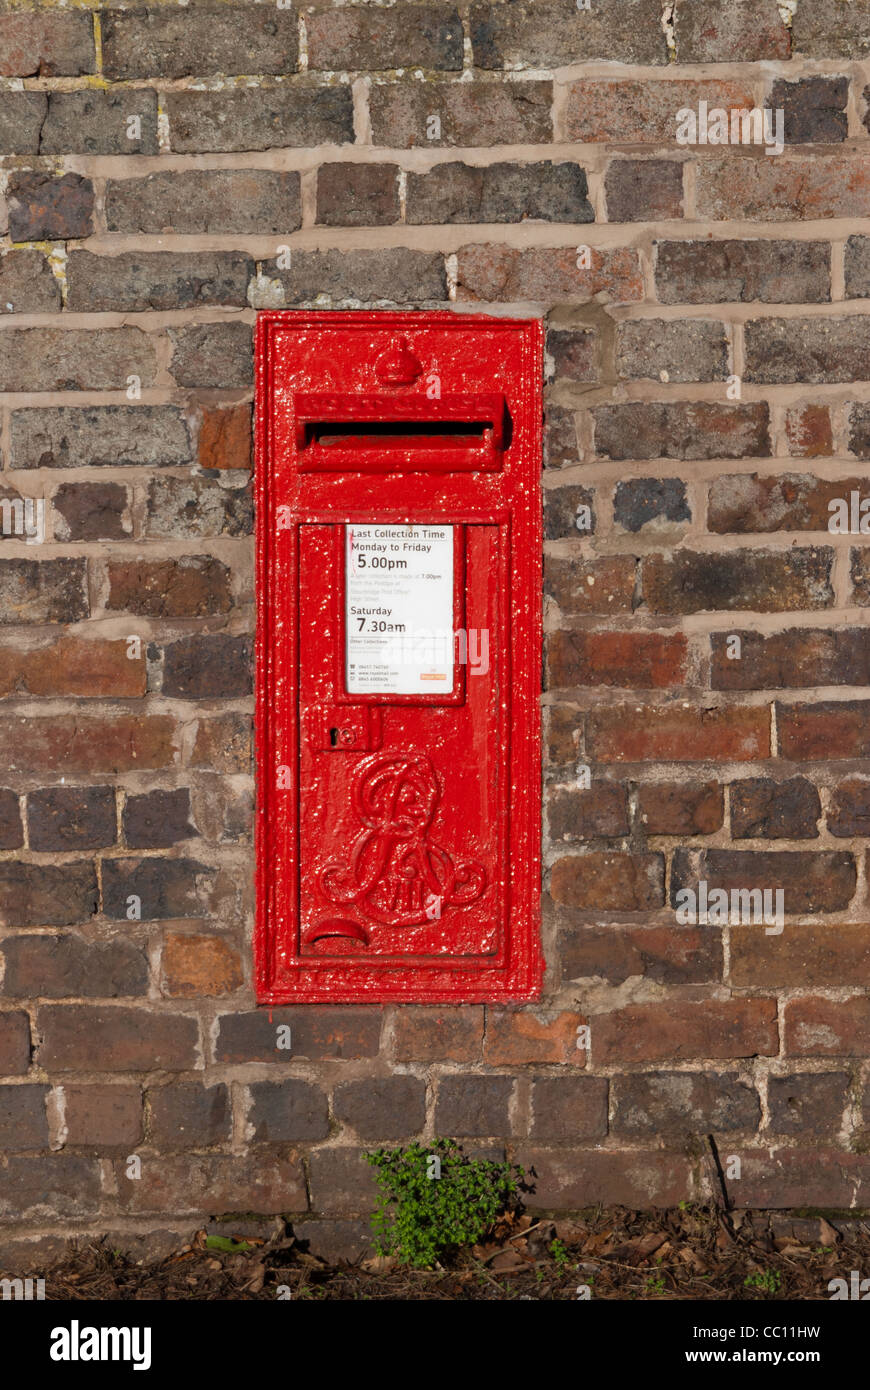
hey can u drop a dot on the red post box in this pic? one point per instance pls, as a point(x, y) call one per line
point(398, 657)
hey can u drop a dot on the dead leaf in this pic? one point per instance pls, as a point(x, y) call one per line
point(827, 1234)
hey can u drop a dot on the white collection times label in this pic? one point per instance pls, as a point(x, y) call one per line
point(399, 610)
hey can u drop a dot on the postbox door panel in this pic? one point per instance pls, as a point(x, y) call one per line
point(398, 657)
point(404, 818)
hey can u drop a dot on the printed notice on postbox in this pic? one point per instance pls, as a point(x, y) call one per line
point(399, 610)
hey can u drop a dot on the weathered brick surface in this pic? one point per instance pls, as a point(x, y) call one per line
point(161, 280)
point(801, 957)
point(98, 122)
point(75, 359)
point(252, 201)
point(71, 818)
point(42, 208)
point(754, 29)
point(783, 189)
point(794, 658)
point(61, 967)
point(813, 109)
point(27, 285)
point(681, 430)
point(767, 810)
point(553, 33)
point(55, 44)
point(724, 271)
point(258, 119)
point(644, 190)
point(504, 272)
point(672, 350)
point(499, 193)
point(425, 36)
point(764, 581)
point(87, 1037)
point(398, 275)
point(179, 43)
point(467, 113)
point(679, 1103)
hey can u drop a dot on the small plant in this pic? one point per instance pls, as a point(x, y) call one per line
point(427, 1209)
point(559, 1252)
point(656, 1284)
point(768, 1280)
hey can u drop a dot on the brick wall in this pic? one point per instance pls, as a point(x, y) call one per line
point(707, 399)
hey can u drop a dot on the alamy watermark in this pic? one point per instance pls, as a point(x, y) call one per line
point(717, 907)
point(740, 125)
point(23, 517)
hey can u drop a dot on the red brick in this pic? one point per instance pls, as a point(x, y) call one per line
point(470, 113)
point(801, 1178)
point(664, 955)
point(795, 658)
point(816, 1027)
point(195, 966)
point(60, 967)
point(103, 1117)
point(65, 1185)
point(808, 1103)
point(675, 1104)
point(823, 730)
point(808, 431)
point(784, 189)
point(578, 585)
point(678, 733)
point(681, 808)
point(86, 1037)
point(682, 430)
point(635, 112)
point(225, 435)
point(487, 272)
point(676, 1029)
point(213, 1184)
point(803, 956)
point(761, 581)
point(748, 31)
point(631, 660)
point(563, 733)
point(124, 743)
point(849, 808)
point(316, 1032)
point(609, 882)
point(46, 45)
point(517, 1037)
point(587, 813)
point(811, 881)
point(764, 809)
point(224, 743)
point(566, 1109)
point(452, 1034)
point(14, 1042)
point(643, 190)
point(193, 586)
point(572, 1179)
point(389, 1107)
point(747, 503)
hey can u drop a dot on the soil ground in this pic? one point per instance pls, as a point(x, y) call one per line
point(688, 1253)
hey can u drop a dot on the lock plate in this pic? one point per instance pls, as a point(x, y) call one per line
point(344, 728)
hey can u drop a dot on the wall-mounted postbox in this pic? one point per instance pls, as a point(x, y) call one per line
point(399, 593)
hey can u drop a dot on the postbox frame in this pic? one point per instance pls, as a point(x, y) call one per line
point(283, 975)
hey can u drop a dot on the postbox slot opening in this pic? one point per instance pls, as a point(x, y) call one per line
point(398, 434)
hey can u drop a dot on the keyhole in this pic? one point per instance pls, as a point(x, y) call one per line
point(333, 737)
